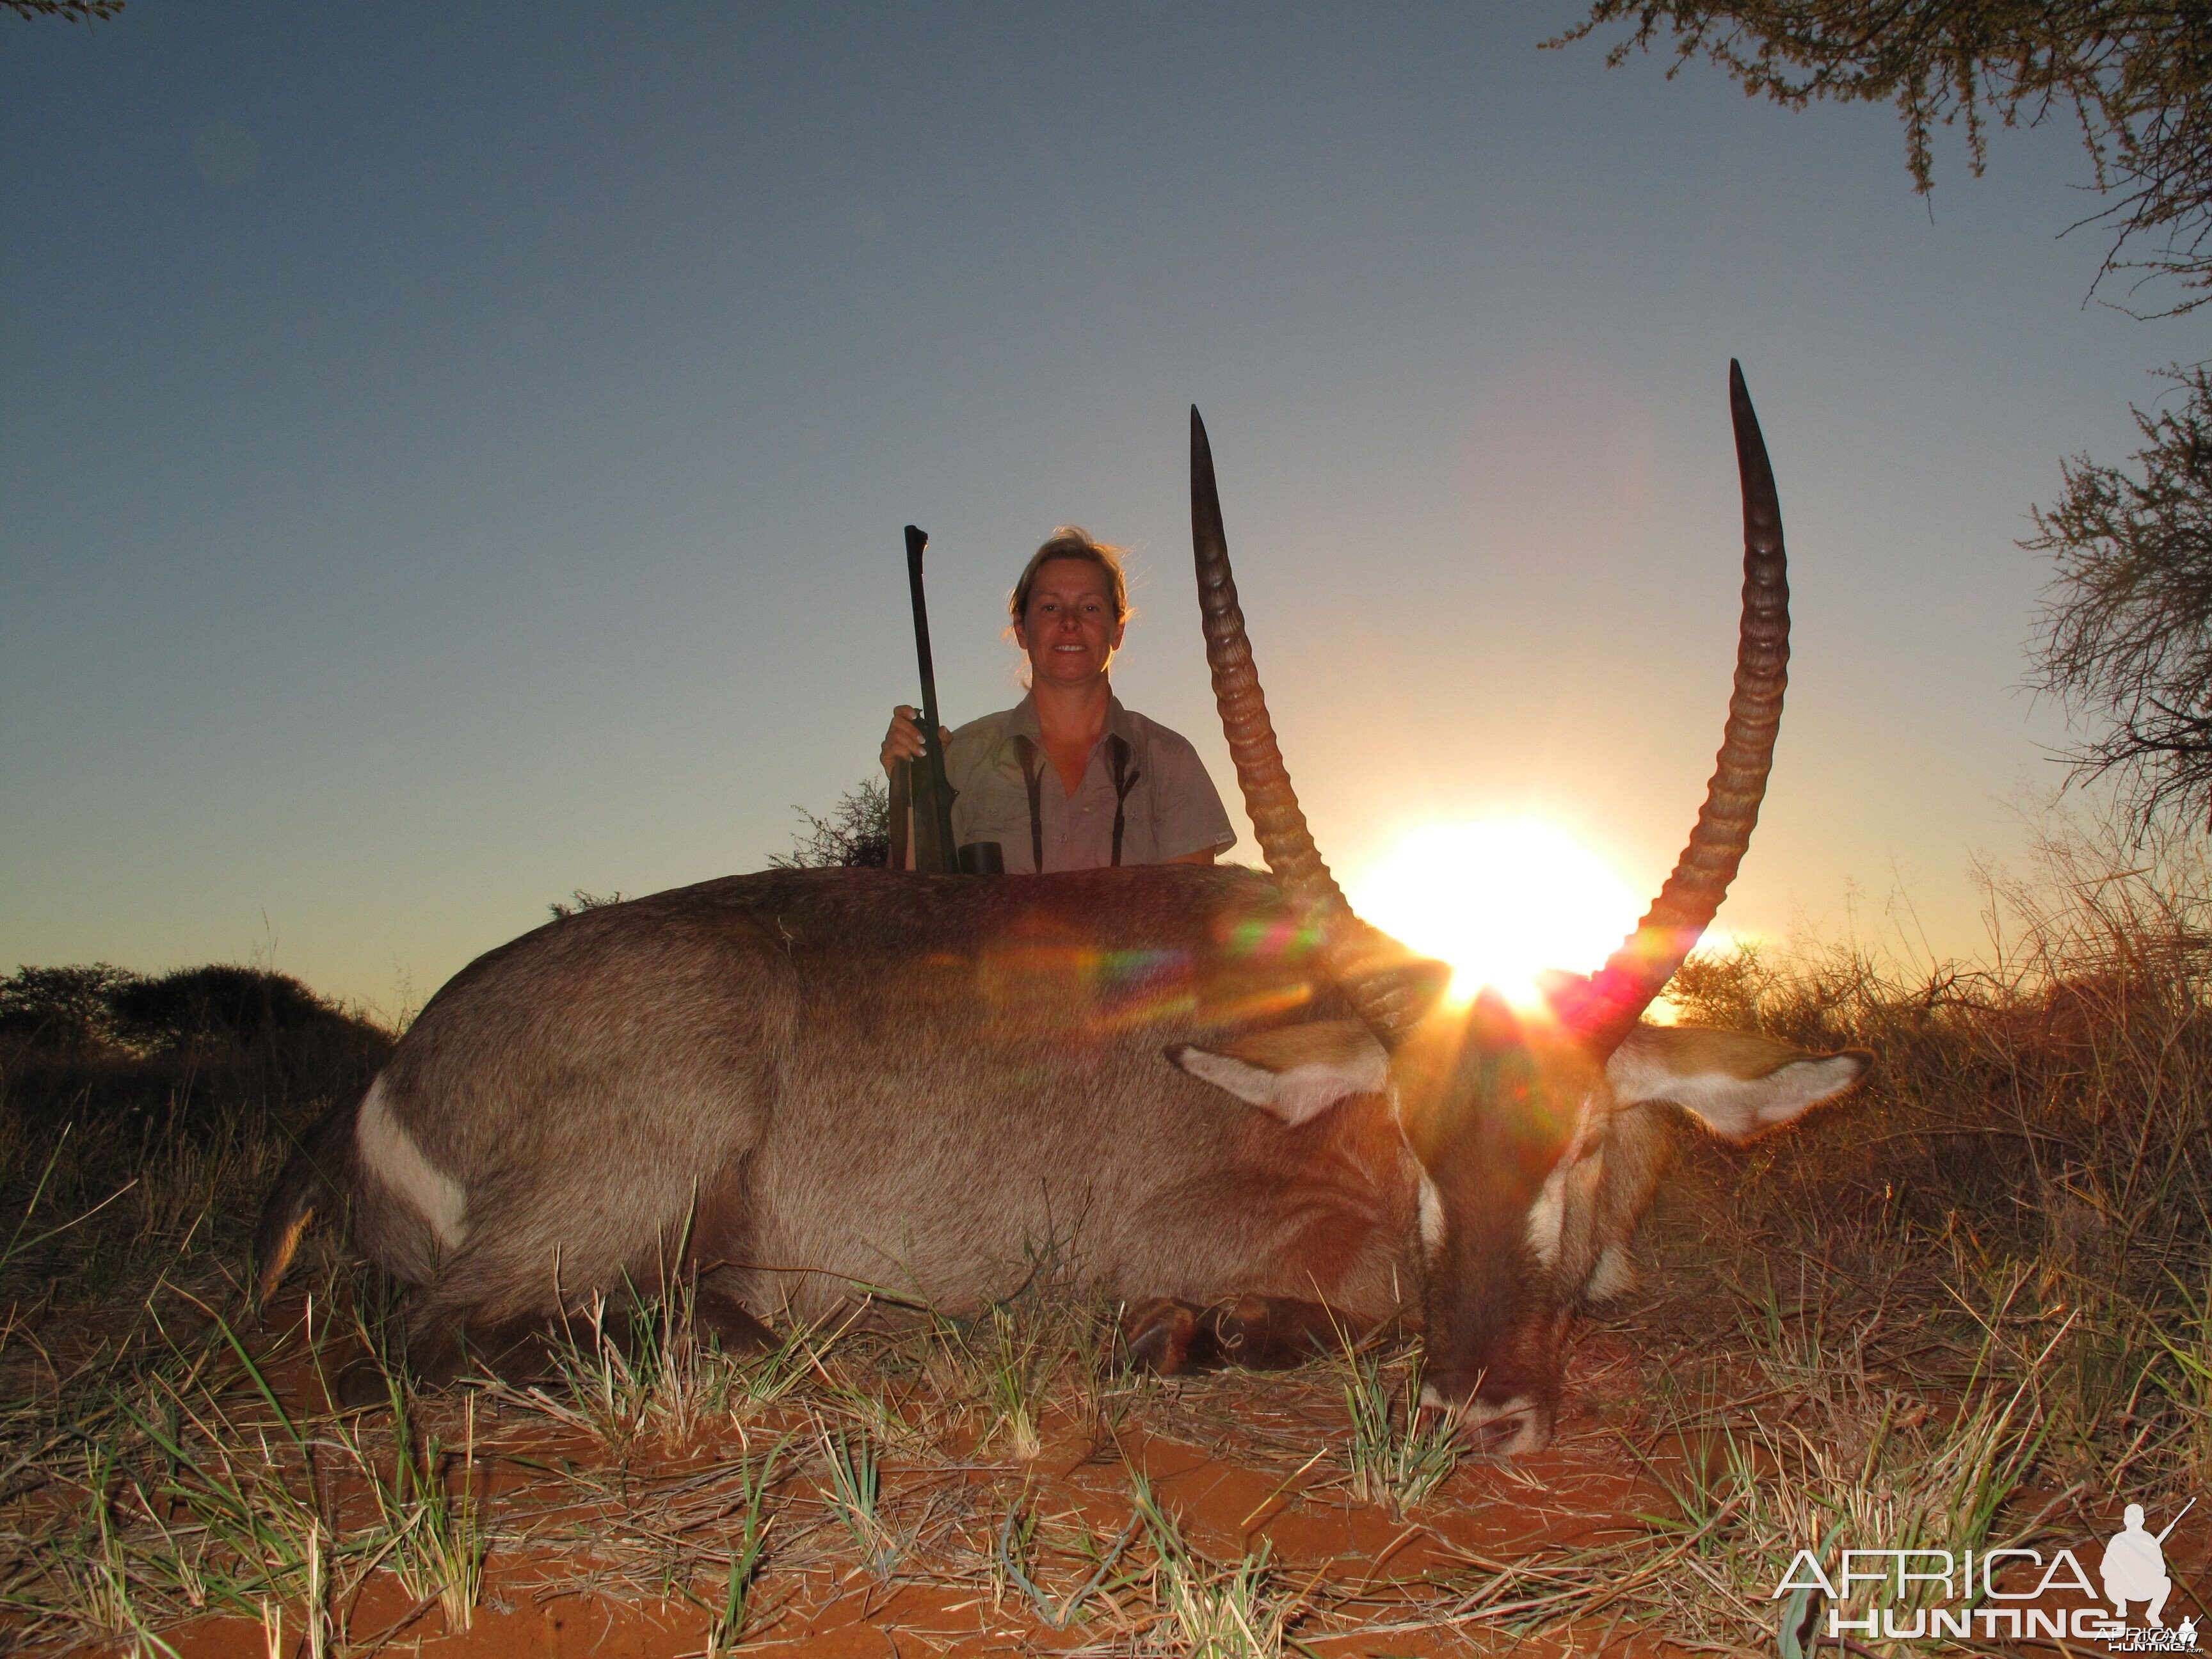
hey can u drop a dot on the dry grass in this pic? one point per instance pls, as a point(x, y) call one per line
point(1972, 1308)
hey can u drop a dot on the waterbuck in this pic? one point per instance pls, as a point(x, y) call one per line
point(1234, 1105)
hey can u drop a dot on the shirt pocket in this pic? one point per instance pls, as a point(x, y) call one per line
point(995, 806)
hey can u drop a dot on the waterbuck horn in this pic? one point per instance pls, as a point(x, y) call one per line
point(1390, 989)
point(1601, 1010)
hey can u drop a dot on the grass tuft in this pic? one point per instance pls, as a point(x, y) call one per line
point(1210, 1610)
point(855, 1476)
point(1397, 1453)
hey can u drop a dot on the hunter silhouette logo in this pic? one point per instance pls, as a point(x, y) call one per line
point(2007, 1592)
point(2134, 1568)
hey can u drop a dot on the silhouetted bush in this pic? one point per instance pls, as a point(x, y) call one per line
point(63, 1010)
point(579, 900)
point(856, 832)
point(216, 1004)
point(124, 1056)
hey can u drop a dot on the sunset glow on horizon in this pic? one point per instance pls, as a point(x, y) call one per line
point(1502, 900)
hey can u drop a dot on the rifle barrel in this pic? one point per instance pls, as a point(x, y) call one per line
point(932, 746)
point(2176, 1521)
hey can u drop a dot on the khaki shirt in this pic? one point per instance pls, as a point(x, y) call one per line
point(1172, 806)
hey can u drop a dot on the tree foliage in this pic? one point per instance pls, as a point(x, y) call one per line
point(61, 1009)
point(2136, 78)
point(70, 11)
point(2125, 636)
point(857, 831)
point(97, 1006)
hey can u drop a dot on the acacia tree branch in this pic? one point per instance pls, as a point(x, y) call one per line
point(70, 11)
point(2124, 638)
point(2138, 77)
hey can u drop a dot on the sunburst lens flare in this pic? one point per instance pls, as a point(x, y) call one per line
point(1502, 900)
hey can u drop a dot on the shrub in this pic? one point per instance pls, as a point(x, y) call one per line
point(857, 832)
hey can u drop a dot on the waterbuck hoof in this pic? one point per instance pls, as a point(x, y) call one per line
point(1158, 1336)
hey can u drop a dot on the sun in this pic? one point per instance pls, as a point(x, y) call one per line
point(1501, 899)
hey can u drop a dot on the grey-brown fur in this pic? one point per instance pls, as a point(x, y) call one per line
point(803, 1085)
point(842, 1077)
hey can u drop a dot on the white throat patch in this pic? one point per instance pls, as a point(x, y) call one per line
point(1433, 1217)
point(1547, 1216)
point(390, 1153)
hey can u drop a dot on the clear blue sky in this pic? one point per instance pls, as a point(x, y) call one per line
point(451, 454)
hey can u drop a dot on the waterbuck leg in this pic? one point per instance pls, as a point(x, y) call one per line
point(1256, 1333)
point(435, 1353)
point(1274, 1332)
point(443, 1345)
point(626, 1326)
point(520, 1350)
point(732, 1323)
point(437, 1348)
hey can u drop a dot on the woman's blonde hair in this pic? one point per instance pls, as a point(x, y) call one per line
point(1072, 541)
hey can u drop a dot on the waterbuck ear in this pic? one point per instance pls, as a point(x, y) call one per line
point(1295, 1072)
point(1742, 1085)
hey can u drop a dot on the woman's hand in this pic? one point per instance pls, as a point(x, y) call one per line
point(902, 741)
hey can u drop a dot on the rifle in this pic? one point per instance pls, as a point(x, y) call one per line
point(921, 796)
point(930, 793)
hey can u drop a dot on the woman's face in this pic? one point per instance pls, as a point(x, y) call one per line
point(1069, 629)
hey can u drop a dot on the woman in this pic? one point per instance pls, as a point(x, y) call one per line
point(1067, 778)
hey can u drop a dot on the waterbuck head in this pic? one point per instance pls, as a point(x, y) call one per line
point(1528, 1176)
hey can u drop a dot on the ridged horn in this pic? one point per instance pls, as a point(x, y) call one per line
point(1601, 1010)
point(1390, 990)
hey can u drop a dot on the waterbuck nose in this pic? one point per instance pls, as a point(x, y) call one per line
point(1505, 1427)
point(1509, 1436)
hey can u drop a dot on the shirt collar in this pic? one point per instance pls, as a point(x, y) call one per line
point(1023, 721)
